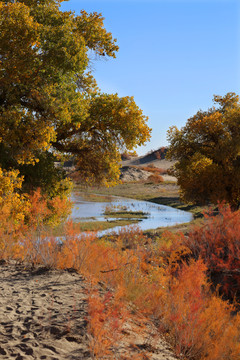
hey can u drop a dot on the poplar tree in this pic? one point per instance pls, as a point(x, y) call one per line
point(207, 153)
point(50, 105)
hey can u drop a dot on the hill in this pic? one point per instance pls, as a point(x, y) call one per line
point(138, 168)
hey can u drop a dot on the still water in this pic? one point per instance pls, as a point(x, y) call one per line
point(158, 215)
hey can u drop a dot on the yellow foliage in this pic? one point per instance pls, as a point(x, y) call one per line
point(207, 150)
point(50, 98)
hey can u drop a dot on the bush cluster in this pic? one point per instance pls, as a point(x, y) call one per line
point(175, 280)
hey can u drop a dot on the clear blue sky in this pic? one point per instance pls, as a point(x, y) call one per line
point(174, 55)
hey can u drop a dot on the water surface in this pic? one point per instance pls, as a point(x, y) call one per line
point(159, 215)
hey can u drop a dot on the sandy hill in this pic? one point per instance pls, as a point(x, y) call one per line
point(133, 168)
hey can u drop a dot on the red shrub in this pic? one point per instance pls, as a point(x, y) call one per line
point(217, 242)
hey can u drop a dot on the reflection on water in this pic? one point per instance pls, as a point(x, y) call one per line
point(159, 215)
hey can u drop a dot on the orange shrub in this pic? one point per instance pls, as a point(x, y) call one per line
point(153, 169)
point(200, 323)
point(13, 209)
point(107, 315)
point(155, 179)
point(43, 211)
point(217, 242)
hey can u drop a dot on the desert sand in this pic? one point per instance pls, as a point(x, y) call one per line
point(43, 315)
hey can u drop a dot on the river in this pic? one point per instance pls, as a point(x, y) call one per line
point(158, 215)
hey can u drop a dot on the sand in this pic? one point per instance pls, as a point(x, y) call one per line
point(43, 315)
point(130, 174)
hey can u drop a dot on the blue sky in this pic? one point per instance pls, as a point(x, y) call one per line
point(174, 55)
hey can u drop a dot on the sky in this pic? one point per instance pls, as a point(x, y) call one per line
point(174, 56)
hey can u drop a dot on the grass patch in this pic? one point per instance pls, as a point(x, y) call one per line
point(139, 191)
point(81, 226)
point(102, 225)
point(126, 214)
point(89, 196)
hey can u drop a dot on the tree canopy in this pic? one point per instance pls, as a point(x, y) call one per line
point(207, 153)
point(50, 105)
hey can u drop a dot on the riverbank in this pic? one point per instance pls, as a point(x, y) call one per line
point(87, 210)
point(166, 193)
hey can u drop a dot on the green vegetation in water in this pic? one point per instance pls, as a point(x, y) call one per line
point(119, 211)
point(126, 214)
point(102, 225)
